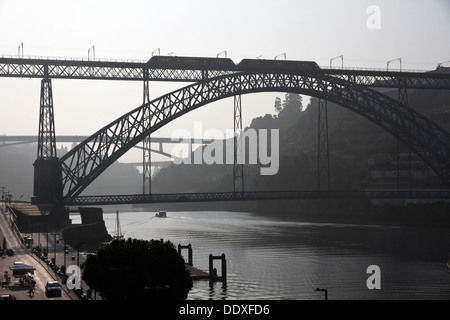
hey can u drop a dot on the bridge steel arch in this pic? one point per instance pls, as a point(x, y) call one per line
point(89, 159)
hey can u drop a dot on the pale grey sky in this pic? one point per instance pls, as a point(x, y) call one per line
point(418, 31)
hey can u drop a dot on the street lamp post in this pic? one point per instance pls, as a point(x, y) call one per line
point(46, 252)
point(54, 248)
point(65, 252)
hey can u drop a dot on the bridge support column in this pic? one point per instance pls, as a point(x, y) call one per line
point(47, 186)
point(323, 156)
point(147, 146)
point(46, 135)
point(47, 167)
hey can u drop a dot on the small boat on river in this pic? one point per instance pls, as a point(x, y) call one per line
point(161, 214)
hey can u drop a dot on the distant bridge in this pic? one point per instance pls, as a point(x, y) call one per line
point(6, 141)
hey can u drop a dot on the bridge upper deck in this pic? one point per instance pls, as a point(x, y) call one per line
point(194, 69)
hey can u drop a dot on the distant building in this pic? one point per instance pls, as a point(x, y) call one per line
point(403, 173)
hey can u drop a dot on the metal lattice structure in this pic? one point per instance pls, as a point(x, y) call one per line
point(89, 159)
point(46, 135)
point(255, 195)
point(239, 152)
point(323, 155)
point(141, 71)
point(146, 149)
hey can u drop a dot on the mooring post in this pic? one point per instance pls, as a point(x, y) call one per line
point(211, 271)
point(189, 247)
point(224, 271)
point(190, 262)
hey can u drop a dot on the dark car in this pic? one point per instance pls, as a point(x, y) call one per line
point(10, 252)
point(53, 288)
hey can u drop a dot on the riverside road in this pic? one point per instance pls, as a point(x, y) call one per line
point(42, 274)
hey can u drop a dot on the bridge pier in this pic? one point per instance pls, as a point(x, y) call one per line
point(47, 185)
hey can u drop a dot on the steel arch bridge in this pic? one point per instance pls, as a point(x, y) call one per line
point(89, 159)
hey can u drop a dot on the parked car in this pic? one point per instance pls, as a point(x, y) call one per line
point(10, 252)
point(53, 288)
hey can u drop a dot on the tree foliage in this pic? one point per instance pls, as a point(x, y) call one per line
point(138, 269)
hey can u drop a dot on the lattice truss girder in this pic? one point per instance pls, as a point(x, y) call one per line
point(105, 71)
point(112, 70)
point(255, 195)
point(85, 162)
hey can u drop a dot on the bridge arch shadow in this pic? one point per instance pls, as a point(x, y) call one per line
point(89, 159)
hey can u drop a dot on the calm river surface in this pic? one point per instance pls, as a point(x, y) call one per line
point(277, 259)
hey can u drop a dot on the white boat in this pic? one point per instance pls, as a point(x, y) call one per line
point(161, 214)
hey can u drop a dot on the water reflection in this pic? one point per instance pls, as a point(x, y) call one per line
point(273, 259)
point(217, 291)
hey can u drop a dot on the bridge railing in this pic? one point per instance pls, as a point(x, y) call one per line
point(55, 58)
point(375, 69)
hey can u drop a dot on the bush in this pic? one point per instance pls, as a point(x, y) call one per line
point(138, 269)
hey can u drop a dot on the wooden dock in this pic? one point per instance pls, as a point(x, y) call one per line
point(197, 274)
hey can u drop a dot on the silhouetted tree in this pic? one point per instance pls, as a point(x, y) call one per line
point(292, 105)
point(138, 269)
point(277, 105)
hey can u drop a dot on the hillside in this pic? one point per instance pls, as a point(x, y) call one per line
point(353, 140)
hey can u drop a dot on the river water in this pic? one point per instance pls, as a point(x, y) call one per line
point(268, 258)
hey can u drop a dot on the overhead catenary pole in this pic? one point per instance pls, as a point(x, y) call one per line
point(146, 148)
point(338, 57)
point(323, 156)
point(239, 151)
point(91, 49)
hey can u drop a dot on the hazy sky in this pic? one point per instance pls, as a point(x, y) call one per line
point(418, 31)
